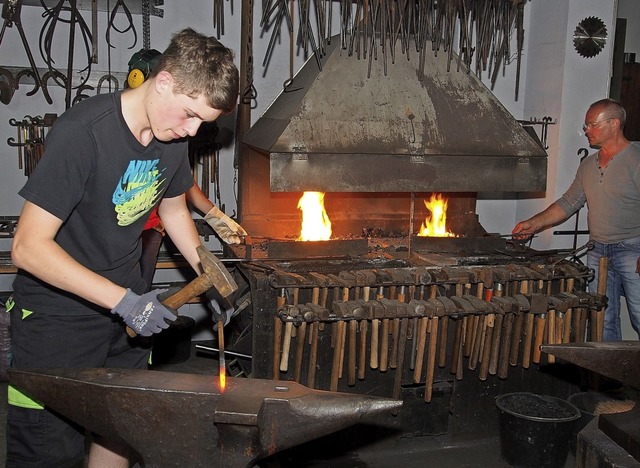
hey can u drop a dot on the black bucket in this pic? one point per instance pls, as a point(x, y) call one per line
point(173, 345)
point(535, 430)
point(586, 402)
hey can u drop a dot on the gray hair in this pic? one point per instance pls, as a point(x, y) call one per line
point(612, 108)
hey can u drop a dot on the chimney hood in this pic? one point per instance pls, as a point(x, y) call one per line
point(362, 125)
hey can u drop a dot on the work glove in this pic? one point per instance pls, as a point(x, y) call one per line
point(145, 314)
point(228, 230)
point(221, 309)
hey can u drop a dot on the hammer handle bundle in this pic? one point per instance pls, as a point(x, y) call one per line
point(505, 331)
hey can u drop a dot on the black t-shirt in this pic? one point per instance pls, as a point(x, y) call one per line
point(102, 183)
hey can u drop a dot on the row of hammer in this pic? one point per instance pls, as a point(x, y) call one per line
point(492, 333)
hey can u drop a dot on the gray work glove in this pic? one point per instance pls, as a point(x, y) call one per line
point(221, 309)
point(228, 230)
point(145, 314)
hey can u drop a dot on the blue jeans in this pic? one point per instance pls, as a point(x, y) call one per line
point(622, 280)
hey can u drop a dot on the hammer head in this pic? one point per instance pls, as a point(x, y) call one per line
point(215, 272)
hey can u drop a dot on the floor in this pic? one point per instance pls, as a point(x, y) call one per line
point(332, 451)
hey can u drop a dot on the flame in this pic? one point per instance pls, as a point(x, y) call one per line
point(315, 222)
point(435, 225)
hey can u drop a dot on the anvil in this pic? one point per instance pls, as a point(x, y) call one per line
point(177, 419)
point(619, 360)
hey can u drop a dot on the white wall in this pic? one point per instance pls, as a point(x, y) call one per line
point(630, 9)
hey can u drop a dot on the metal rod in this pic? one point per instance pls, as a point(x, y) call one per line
point(215, 350)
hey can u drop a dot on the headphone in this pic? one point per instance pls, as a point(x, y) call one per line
point(141, 65)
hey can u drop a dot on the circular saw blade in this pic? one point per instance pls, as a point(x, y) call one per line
point(590, 36)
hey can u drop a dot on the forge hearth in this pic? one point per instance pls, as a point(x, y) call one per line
point(444, 324)
point(328, 248)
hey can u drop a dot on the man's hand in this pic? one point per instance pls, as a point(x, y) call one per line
point(523, 230)
point(221, 309)
point(145, 314)
point(228, 230)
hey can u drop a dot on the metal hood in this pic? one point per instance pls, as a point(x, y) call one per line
point(362, 125)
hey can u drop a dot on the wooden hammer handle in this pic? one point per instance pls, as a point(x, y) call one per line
point(184, 295)
point(431, 359)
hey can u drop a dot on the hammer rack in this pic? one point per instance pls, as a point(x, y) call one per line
point(30, 141)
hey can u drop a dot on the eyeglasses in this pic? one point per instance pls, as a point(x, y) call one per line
point(591, 125)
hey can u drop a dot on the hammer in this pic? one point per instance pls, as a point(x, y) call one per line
point(214, 274)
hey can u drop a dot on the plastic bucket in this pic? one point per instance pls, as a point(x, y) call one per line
point(535, 430)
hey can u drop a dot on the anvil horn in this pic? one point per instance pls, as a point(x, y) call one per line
point(177, 419)
point(619, 360)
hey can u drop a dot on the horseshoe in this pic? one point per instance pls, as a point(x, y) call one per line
point(27, 72)
point(57, 76)
point(111, 79)
point(80, 95)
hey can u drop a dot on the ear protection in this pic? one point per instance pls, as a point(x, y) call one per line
point(141, 65)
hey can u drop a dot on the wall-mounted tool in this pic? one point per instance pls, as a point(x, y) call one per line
point(11, 15)
point(590, 36)
point(30, 143)
point(121, 5)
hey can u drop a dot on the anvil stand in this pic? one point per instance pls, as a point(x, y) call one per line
point(615, 441)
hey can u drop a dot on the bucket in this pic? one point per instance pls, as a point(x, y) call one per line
point(535, 430)
point(586, 402)
point(173, 345)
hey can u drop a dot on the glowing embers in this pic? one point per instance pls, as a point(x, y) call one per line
point(316, 225)
point(436, 224)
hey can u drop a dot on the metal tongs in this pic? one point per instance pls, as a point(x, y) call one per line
point(564, 253)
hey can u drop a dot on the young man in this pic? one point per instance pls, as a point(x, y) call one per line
point(109, 161)
point(609, 182)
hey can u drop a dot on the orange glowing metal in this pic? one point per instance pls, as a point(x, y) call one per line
point(316, 225)
point(435, 226)
point(223, 381)
point(221, 357)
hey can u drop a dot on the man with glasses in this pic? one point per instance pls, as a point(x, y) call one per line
point(609, 182)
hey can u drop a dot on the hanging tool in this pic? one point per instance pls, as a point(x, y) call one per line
point(120, 4)
point(248, 92)
point(11, 14)
point(31, 136)
point(94, 31)
point(46, 41)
